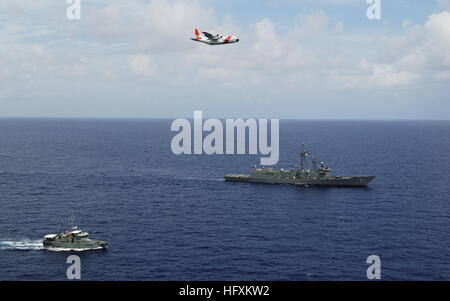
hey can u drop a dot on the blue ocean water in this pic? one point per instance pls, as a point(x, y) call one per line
point(170, 217)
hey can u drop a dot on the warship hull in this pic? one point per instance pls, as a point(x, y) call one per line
point(353, 181)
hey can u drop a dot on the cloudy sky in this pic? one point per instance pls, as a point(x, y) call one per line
point(295, 59)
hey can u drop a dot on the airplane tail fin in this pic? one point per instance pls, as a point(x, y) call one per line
point(197, 34)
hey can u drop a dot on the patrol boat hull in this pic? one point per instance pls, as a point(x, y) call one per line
point(94, 245)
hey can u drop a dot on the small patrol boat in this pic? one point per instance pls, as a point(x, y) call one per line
point(73, 240)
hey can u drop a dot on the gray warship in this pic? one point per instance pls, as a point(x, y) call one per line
point(74, 240)
point(316, 176)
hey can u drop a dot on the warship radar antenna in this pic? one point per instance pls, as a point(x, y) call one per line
point(302, 154)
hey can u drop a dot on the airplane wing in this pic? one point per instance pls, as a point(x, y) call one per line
point(210, 36)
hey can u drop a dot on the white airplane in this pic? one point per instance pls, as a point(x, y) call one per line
point(214, 39)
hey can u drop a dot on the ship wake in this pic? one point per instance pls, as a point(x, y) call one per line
point(24, 244)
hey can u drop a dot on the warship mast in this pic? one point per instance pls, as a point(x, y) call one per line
point(302, 154)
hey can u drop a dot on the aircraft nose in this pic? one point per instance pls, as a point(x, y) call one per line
point(237, 40)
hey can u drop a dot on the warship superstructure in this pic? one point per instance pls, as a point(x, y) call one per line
point(74, 240)
point(316, 176)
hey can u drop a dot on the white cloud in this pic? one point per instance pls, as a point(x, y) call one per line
point(406, 24)
point(38, 50)
point(438, 32)
point(28, 4)
point(385, 76)
point(142, 65)
point(312, 24)
point(274, 51)
point(419, 52)
point(443, 75)
point(339, 28)
point(365, 76)
point(157, 26)
point(329, 2)
point(444, 3)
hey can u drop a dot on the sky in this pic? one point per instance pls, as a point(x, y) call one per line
point(302, 59)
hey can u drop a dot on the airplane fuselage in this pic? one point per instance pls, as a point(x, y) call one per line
point(214, 39)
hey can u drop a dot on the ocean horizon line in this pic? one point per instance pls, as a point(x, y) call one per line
point(215, 117)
